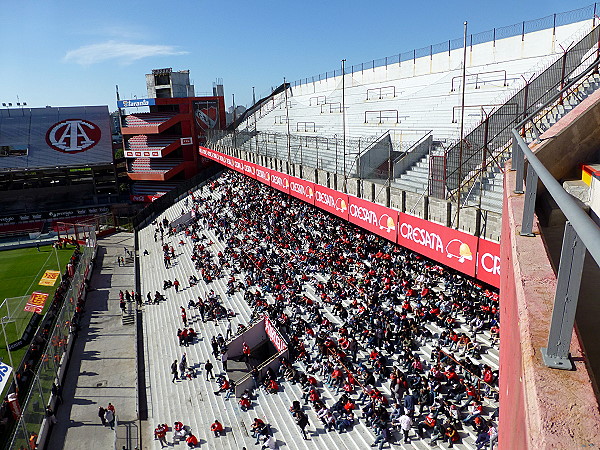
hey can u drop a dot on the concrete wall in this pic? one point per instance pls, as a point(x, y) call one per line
point(541, 407)
point(573, 140)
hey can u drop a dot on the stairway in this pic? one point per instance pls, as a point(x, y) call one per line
point(491, 187)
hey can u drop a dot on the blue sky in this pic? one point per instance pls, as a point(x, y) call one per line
point(64, 53)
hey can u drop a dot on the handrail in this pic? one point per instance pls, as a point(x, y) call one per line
point(454, 108)
point(479, 379)
point(586, 228)
point(581, 233)
point(380, 90)
point(331, 109)
point(592, 67)
point(381, 117)
point(317, 98)
point(476, 75)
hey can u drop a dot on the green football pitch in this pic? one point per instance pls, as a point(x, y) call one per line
point(20, 273)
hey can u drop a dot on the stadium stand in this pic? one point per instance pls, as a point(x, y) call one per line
point(331, 278)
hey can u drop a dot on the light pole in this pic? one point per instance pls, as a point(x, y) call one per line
point(462, 124)
point(287, 121)
point(344, 118)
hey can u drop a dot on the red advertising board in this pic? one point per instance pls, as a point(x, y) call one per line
point(238, 164)
point(263, 174)
point(143, 198)
point(302, 189)
point(450, 247)
point(280, 181)
point(375, 218)
point(249, 169)
point(331, 201)
point(274, 335)
point(488, 262)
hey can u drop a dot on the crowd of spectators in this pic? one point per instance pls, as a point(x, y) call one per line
point(399, 340)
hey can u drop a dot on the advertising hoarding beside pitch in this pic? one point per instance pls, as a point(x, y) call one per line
point(76, 136)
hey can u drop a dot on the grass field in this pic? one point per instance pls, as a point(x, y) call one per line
point(20, 272)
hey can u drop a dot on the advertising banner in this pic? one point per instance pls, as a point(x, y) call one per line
point(237, 164)
point(375, 218)
point(280, 181)
point(263, 174)
point(274, 335)
point(331, 201)
point(302, 189)
point(143, 198)
point(136, 103)
point(5, 371)
point(49, 278)
point(36, 302)
point(249, 169)
point(450, 247)
point(488, 262)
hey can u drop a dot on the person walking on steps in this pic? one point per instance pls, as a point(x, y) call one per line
point(101, 412)
point(174, 371)
point(208, 367)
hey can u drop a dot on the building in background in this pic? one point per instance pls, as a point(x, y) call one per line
point(161, 145)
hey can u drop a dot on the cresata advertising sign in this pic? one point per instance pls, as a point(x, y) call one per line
point(331, 201)
point(488, 262)
point(376, 218)
point(450, 247)
point(238, 164)
point(302, 189)
point(263, 174)
point(249, 169)
point(280, 181)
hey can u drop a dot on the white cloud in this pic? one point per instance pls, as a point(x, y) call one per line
point(124, 52)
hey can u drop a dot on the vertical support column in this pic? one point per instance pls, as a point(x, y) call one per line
point(529, 207)
point(518, 161)
point(572, 256)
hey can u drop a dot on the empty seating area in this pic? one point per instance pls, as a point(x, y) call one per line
point(326, 283)
point(151, 165)
point(150, 143)
point(20, 229)
point(147, 119)
point(150, 188)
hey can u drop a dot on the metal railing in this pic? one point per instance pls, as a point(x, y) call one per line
point(581, 233)
point(518, 29)
point(493, 133)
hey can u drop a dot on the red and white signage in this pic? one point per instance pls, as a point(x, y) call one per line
point(376, 218)
point(302, 189)
point(73, 136)
point(143, 198)
point(249, 169)
point(331, 201)
point(280, 181)
point(263, 174)
point(461, 251)
point(488, 262)
point(450, 247)
point(274, 335)
point(186, 141)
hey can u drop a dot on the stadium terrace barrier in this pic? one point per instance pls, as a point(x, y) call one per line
point(473, 256)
